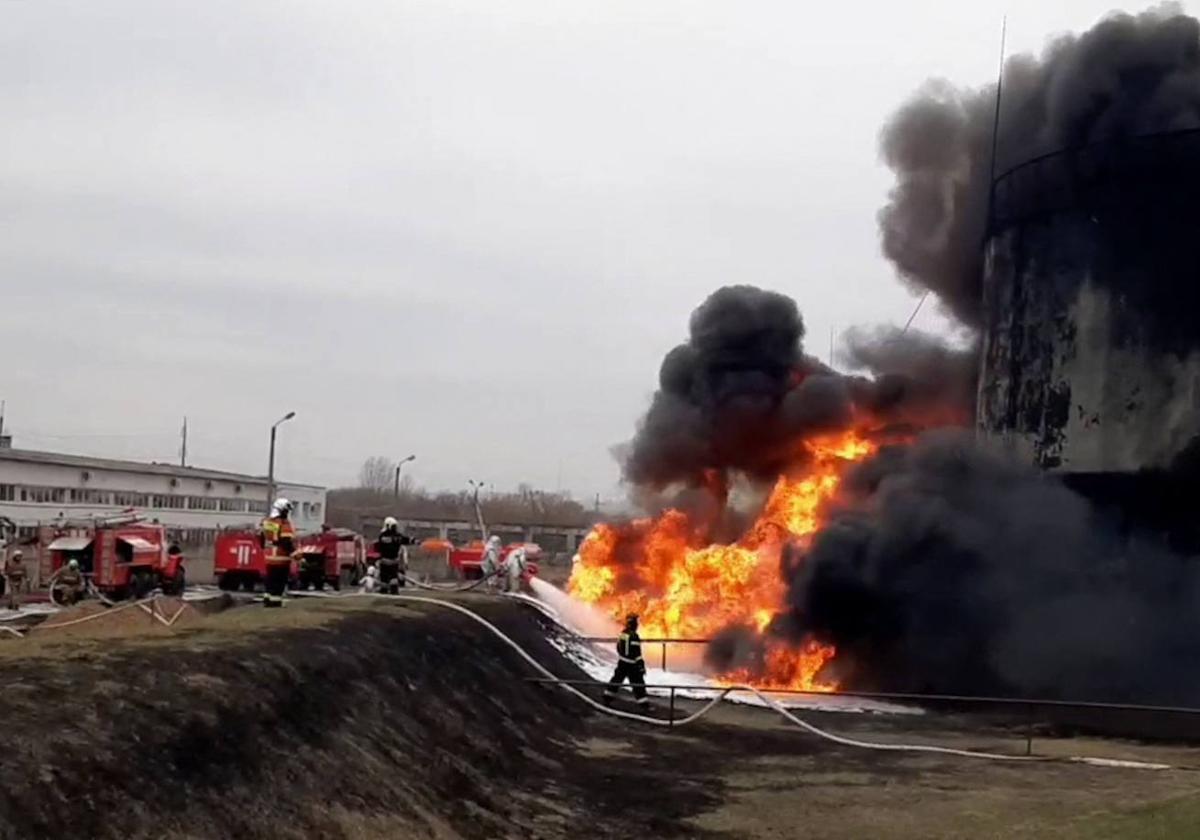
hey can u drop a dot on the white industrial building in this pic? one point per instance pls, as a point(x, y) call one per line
point(42, 487)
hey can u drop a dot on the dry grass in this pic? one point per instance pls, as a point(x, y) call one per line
point(741, 774)
point(133, 627)
point(846, 796)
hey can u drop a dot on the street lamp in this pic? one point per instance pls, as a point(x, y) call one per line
point(477, 486)
point(271, 462)
point(399, 465)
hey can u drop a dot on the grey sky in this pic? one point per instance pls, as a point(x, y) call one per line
point(467, 230)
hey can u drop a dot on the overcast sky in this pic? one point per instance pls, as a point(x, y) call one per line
point(465, 230)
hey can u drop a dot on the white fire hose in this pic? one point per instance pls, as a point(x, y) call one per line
point(767, 700)
point(725, 691)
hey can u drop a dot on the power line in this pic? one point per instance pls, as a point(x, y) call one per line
point(913, 316)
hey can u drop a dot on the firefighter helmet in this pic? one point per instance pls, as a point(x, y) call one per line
point(390, 523)
point(282, 506)
point(74, 564)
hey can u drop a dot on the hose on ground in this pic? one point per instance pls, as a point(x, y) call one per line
point(458, 587)
point(727, 690)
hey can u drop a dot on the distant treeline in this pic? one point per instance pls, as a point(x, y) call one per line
point(375, 497)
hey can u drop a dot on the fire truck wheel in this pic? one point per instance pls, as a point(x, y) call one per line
point(141, 583)
point(248, 584)
point(227, 582)
point(175, 586)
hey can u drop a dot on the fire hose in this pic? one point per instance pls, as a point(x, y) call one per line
point(770, 702)
point(458, 587)
point(146, 605)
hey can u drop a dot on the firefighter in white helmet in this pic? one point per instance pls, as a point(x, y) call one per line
point(278, 537)
point(390, 547)
point(489, 563)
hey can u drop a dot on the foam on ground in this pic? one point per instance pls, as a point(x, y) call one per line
point(598, 661)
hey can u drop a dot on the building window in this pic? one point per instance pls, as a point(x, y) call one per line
point(7, 492)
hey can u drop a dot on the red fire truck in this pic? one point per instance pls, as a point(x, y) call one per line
point(466, 561)
point(239, 560)
point(335, 556)
point(122, 555)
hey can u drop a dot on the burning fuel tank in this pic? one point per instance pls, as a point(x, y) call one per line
point(1091, 347)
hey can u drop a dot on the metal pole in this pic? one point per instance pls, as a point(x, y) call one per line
point(271, 470)
point(671, 719)
point(400, 465)
point(271, 460)
point(1029, 730)
point(664, 647)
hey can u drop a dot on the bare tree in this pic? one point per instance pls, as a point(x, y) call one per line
point(377, 473)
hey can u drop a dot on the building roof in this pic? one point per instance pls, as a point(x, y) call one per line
point(30, 456)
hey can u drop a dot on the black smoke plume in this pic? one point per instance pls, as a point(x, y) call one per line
point(948, 569)
point(1128, 76)
point(721, 398)
point(741, 395)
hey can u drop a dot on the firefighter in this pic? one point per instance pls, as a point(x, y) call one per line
point(392, 562)
point(14, 576)
point(512, 569)
point(69, 583)
point(489, 563)
point(630, 665)
point(279, 541)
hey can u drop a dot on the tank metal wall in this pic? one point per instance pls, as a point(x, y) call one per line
point(1091, 348)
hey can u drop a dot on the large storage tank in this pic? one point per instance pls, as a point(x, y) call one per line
point(1091, 353)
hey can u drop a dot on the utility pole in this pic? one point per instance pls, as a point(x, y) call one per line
point(271, 462)
point(399, 465)
point(183, 445)
point(476, 486)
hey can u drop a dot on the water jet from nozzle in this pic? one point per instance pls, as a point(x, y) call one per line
point(582, 618)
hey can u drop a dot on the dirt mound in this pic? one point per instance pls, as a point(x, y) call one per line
point(161, 616)
point(385, 722)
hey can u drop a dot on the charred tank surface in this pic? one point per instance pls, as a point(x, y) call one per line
point(1091, 348)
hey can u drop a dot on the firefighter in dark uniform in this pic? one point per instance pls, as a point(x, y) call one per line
point(630, 665)
point(14, 575)
point(390, 547)
point(278, 538)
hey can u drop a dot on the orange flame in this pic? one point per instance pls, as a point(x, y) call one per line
point(682, 587)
